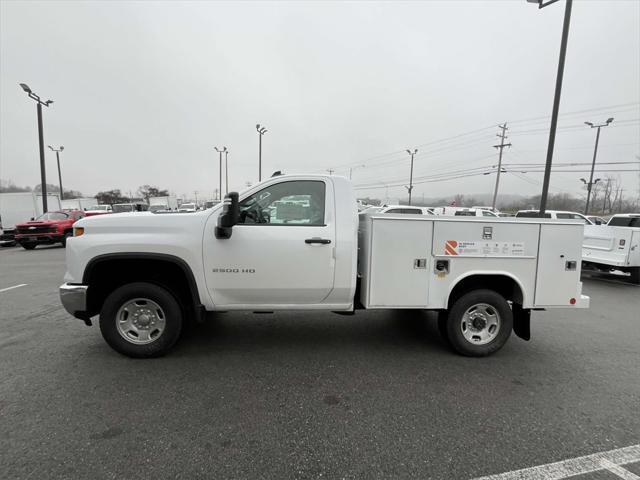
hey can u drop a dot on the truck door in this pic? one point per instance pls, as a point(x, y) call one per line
point(281, 252)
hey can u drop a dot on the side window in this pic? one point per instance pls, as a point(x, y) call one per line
point(412, 211)
point(394, 210)
point(487, 214)
point(565, 216)
point(286, 203)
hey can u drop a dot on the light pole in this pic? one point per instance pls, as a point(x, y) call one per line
point(593, 163)
point(556, 98)
point(224, 149)
point(43, 173)
point(58, 150)
point(226, 171)
point(261, 131)
point(410, 187)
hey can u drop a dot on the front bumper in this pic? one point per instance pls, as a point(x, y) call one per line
point(74, 299)
point(39, 238)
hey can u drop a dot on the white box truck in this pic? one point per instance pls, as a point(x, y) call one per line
point(143, 274)
point(615, 246)
point(17, 207)
point(163, 204)
point(84, 203)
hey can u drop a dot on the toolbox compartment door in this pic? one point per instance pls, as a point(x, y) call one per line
point(400, 263)
point(559, 264)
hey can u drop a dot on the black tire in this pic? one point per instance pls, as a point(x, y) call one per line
point(635, 275)
point(9, 244)
point(28, 246)
point(64, 239)
point(163, 298)
point(456, 316)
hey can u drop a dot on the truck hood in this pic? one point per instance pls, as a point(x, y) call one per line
point(142, 222)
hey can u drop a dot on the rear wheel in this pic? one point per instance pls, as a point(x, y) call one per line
point(479, 323)
point(141, 320)
point(28, 246)
point(635, 275)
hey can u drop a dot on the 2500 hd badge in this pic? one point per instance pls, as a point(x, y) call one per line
point(234, 270)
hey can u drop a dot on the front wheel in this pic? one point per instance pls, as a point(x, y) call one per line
point(635, 275)
point(28, 246)
point(65, 237)
point(479, 323)
point(141, 320)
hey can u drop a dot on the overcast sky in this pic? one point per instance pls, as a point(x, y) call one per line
point(143, 91)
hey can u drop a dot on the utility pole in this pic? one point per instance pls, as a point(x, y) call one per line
point(195, 192)
point(410, 187)
point(224, 149)
point(503, 137)
point(620, 201)
point(556, 98)
point(261, 131)
point(226, 172)
point(330, 170)
point(58, 150)
point(351, 169)
point(593, 163)
point(43, 173)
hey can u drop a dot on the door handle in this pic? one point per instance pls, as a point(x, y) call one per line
point(323, 241)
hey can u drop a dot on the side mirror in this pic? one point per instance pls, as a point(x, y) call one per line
point(229, 216)
point(32, 219)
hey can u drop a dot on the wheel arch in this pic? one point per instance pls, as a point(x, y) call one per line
point(101, 273)
point(503, 283)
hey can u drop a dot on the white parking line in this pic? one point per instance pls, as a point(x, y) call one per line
point(610, 461)
point(15, 286)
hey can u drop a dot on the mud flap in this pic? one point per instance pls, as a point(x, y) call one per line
point(521, 321)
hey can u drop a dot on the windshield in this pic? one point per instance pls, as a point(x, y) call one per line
point(127, 207)
point(532, 214)
point(624, 222)
point(53, 216)
point(103, 208)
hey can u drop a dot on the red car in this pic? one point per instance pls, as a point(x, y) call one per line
point(47, 229)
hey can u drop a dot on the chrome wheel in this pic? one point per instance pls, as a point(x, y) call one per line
point(480, 324)
point(140, 321)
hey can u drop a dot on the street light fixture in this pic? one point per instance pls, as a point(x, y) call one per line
point(261, 131)
point(58, 150)
point(410, 187)
point(556, 98)
point(591, 183)
point(43, 173)
point(224, 149)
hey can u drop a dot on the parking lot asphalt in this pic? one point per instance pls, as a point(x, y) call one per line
point(309, 395)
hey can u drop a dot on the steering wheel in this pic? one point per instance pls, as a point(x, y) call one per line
point(256, 214)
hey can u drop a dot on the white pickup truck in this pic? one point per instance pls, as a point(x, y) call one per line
point(615, 246)
point(296, 243)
